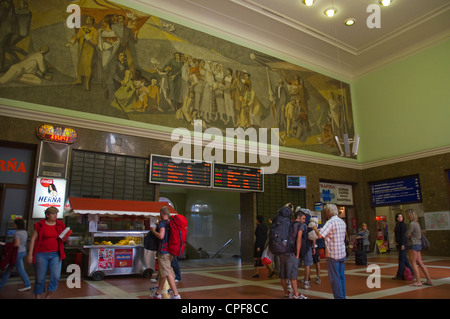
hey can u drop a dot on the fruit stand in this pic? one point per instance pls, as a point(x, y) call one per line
point(108, 252)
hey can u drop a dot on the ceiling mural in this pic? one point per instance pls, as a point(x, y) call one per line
point(128, 64)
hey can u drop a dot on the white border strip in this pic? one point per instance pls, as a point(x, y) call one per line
point(79, 122)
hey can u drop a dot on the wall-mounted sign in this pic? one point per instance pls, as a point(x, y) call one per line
point(53, 159)
point(340, 194)
point(15, 165)
point(49, 192)
point(396, 191)
point(56, 133)
point(238, 177)
point(164, 170)
point(437, 220)
point(295, 181)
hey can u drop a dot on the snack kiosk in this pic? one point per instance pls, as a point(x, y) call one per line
point(110, 252)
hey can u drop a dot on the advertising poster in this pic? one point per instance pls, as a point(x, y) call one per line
point(382, 246)
point(49, 192)
point(123, 258)
point(105, 259)
point(339, 194)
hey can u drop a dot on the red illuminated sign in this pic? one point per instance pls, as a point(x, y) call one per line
point(54, 133)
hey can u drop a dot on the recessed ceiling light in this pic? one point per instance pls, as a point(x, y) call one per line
point(385, 2)
point(350, 22)
point(308, 3)
point(330, 12)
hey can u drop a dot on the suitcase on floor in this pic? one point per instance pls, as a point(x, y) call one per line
point(360, 254)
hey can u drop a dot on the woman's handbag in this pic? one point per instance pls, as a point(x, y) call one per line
point(425, 242)
point(407, 274)
point(267, 256)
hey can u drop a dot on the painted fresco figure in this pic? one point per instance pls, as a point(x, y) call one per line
point(154, 97)
point(8, 27)
point(228, 97)
point(250, 108)
point(108, 45)
point(194, 76)
point(185, 81)
point(173, 68)
point(303, 98)
point(87, 38)
point(252, 100)
point(187, 111)
point(297, 89)
point(15, 25)
point(125, 96)
point(30, 70)
point(126, 38)
point(281, 98)
point(164, 87)
point(290, 112)
point(115, 74)
point(336, 109)
point(236, 91)
point(206, 105)
point(141, 103)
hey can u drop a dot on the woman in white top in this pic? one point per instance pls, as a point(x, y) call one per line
point(414, 234)
point(20, 241)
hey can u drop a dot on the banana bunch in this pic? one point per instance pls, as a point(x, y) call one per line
point(129, 241)
point(104, 243)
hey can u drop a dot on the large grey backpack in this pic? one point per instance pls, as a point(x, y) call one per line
point(280, 241)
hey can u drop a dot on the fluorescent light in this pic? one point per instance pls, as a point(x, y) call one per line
point(308, 3)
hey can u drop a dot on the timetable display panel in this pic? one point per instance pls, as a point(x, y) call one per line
point(164, 170)
point(235, 177)
point(396, 191)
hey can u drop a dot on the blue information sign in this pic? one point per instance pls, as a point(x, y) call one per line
point(396, 191)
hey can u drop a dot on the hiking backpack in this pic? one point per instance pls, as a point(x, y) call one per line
point(177, 235)
point(280, 241)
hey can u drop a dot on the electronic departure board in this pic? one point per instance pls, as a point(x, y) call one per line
point(396, 191)
point(241, 178)
point(164, 170)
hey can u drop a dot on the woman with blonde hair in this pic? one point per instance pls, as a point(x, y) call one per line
point(414, 233)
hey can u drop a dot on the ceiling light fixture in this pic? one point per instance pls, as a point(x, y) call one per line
point(308, 3)
point(385, 3)
point(350, 22)
point(330, 12)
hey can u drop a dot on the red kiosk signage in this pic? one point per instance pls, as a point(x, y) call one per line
point(56, 133)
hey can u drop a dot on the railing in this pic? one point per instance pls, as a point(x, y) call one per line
point(225, 246)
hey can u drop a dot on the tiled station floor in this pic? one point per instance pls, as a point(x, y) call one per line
point(229, 279)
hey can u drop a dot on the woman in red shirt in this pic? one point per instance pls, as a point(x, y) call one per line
point(47, 252)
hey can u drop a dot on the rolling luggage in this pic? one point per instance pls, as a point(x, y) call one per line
point(360, 254)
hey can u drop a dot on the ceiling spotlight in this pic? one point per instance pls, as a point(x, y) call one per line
point(385, 2)
point(330, 12)
point(350, 22)
point(308, 3)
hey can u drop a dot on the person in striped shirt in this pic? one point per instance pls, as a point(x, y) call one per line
point(334, 233)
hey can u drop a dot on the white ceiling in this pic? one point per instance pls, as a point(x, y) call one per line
point(301, 34)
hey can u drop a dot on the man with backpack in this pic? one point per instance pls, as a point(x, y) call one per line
point(288, 258)
point(162, 231)
point(306, 248)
